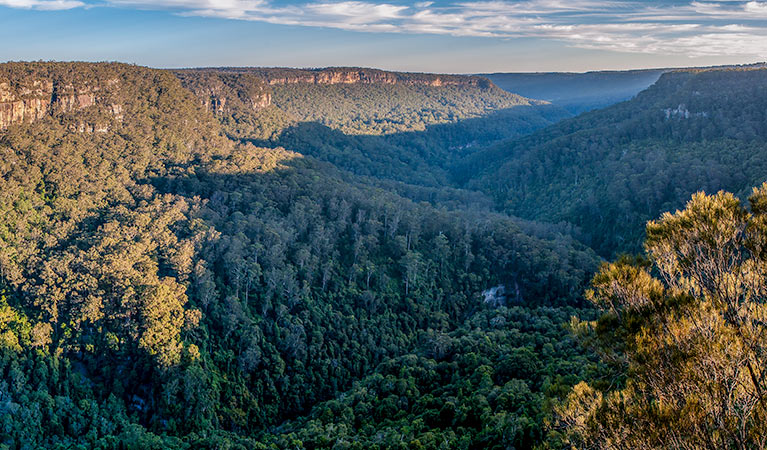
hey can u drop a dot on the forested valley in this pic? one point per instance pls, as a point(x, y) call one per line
point(349, 258)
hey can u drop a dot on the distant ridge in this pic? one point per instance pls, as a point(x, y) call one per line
point(359, 100)
point(579, 92)
point(610, 171)
point(354, 75)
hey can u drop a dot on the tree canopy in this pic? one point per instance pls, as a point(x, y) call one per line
point(684, 331)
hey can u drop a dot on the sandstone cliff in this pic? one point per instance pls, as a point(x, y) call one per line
point(224, 93)
point(30, 92)
point(353, 100)
point(351, 75)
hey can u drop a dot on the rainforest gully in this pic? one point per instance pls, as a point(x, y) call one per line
point(350, 258)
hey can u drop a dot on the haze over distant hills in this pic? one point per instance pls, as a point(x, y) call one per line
point(611, 170)
point(578, 92)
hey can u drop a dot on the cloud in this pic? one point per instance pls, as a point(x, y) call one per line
point(697, 28)
point(756, 8)
point(46, 5)
point(690, 40)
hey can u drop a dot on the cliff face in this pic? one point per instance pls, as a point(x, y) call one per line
point(328, 76)
point(224, 93)
point(24, 104)
point(32, 91)
point(214, 98)
point(24, 100)
point(350, 75)
point(230, 89)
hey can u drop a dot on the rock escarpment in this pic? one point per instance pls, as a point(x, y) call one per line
point(32, 91)
point(264, 101)
point(25, 104)
point(223, 93)
point(224, 90)
point(352, 75)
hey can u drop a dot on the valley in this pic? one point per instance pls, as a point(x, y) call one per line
point(578, 92)
point(302, 258)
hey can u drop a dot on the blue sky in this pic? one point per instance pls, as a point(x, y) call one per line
point(435, 36)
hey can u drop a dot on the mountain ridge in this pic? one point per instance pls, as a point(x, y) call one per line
point(35, 94)
point(351, 75)
point(580, 92)
point(663, 143)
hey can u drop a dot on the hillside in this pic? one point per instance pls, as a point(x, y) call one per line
point(351, 258)
point(399, 127)
point(609, 171)
point(578, 92)
point(385, 102)
point(168, 284)
point(368, 101)
point(357, 75)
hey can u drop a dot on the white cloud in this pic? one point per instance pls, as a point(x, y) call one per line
point(47, 5)
point(698, 28)
point(756, 8)
point(692, 41)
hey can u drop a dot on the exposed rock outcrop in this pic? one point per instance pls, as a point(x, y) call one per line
point(28, 100)
point(30, 91)
point(222, 93)
point(24, 103)
point(351, 75)
point(231, 89)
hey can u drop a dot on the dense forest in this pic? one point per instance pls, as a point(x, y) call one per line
point(403, 132)
point(278, 258)
point(165, 285)
point(609, 171)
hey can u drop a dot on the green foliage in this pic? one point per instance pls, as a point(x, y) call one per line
point(487, 384)
point(389, 108)
point(610, 171)
point(167, 286)
point(14, 326)
point(688, 347)
point(416, 157)
point(185, 265)
point(401, 129)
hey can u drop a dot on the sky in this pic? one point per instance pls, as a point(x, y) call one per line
point(462, 36)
